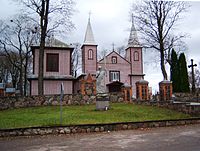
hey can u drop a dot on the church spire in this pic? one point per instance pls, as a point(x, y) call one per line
point(89, 37)
point(133, 38)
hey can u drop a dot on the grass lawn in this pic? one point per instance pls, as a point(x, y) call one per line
point(47, 116)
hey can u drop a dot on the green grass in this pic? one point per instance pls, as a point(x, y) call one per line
point(48, 116)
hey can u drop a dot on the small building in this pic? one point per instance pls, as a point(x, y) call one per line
point(57, 69)
point(120, 70)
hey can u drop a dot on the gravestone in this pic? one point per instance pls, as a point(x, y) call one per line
point(102, 98)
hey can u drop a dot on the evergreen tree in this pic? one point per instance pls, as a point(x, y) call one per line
point(174, 71)
point(183, 74)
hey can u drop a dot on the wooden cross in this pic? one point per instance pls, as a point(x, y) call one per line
point(193, 78)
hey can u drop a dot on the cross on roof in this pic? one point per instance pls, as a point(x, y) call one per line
point(113, 45)
point(90, 14)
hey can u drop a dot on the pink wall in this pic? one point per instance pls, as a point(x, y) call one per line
point(122, 65)
point(89, 66)
point(137, 66)
point(64, 62)
point(52, 87)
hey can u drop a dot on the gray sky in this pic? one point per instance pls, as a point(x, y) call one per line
point(111, 24)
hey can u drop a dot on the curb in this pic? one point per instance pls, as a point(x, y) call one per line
point(90, 128)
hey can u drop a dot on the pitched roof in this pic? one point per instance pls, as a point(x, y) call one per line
point(116, 54)
point(133, 38)
point(53, 42)
point(89, 37)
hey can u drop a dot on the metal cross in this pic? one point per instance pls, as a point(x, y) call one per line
point(90, 14)
point(193, 78)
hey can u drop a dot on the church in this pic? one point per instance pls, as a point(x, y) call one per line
point(121, 71)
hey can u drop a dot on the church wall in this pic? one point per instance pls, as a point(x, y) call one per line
point(36, 61)
point(137, 67)
point(64, 62)
point(52, 87)
point(89, 65)
point(122, 65)
point(127, 55)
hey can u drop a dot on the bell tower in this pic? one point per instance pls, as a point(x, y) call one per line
point(134, 56)
point(89, 52)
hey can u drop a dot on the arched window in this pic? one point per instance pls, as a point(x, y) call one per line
point(114, 59)
point(90, 54)
point(136, 56)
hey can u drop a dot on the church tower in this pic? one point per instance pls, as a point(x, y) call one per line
point(89, 52)
point(134, 56)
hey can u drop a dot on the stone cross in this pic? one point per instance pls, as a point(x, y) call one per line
point(193, 79)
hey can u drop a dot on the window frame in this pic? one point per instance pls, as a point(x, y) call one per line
point(111, 75)
point(90, 54)
point(136, 56)
point(48, 68)
point(114, 58)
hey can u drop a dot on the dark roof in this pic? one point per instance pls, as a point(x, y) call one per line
point(68, 78)
point(115, 83)
point(166, 81)
point(136, 74)
point(54, 48)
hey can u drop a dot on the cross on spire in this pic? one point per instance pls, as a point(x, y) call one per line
point(89, 37)
point(132, 18)
point(90, 14)
point(193, 78)
point(133, 38)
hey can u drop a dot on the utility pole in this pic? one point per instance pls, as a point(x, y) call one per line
point(193, 78)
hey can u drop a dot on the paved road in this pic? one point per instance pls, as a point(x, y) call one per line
point(181, 138)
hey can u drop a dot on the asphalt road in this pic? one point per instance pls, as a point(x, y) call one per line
point(181, 138)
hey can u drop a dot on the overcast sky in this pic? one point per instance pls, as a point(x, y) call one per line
point(111, 24)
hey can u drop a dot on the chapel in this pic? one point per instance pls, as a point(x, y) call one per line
point(122, 72)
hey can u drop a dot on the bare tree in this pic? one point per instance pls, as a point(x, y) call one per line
point(8, 70)
point(16, 38)
point(101, 54)
point(4, 68)
point(52, 14)
point(156, 21)
point(121, 50)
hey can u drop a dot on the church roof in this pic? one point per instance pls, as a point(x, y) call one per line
point(53, 42)
point(89, 37)
point(133, 38)
point(111, 53)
